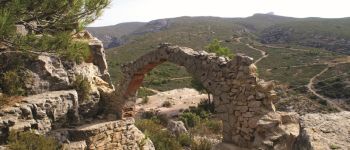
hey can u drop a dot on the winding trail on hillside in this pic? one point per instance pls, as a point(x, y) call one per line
point(263, 53)
point(332, 101)
point(310, 86)
point(295, 49)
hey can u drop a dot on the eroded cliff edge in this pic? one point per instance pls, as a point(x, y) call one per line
point(56, 103)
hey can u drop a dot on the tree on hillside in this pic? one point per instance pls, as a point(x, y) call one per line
point(216, 47)
point(46, 17)
point(42, 26)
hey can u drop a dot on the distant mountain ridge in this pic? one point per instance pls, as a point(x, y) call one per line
point(331, 34)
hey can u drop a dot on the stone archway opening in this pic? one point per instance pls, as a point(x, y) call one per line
point(240, 98)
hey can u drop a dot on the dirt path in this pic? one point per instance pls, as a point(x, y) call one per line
point(311, 88)
point(295, 49)
point(180, 99)
point(332, 101)
point(263, 53)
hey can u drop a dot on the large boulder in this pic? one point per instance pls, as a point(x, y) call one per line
point(277, 131)
point(324, 132)
point(176, 127)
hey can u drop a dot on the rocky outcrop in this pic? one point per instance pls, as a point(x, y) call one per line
point(277, 131)
point(48, 81)
point(119, 135)
point(324, 132)
point(41, 113)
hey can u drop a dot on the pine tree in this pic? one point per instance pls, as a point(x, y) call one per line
point(216, 47)
point(49, 18)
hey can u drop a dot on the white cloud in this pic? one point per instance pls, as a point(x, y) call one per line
point(146, 10)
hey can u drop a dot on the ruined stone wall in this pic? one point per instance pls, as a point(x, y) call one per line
point(117, 135)
point(240, 98)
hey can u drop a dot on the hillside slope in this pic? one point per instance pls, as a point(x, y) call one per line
point(331, 34)
point(111, 36)
point(289, 63)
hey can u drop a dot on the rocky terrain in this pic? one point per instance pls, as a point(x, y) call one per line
point(55, 106)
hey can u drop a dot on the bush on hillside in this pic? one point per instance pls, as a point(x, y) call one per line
point(202, 144)
point(161, 138)
point(30, 141)
point(82, 85)
point(12, 84)
point(190, 119)
point(185, 139)
point(216, 47)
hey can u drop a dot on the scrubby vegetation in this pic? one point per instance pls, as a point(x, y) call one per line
point(198, 121)
point(202, 144)
point(12, 83)
point(162, 139)
point(30, 141)
point(83, 87)
point(216, 47)
point(144, 92)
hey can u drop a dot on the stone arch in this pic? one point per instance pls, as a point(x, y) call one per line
point(240, 98)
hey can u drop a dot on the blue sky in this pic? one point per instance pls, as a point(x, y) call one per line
point(147, 10)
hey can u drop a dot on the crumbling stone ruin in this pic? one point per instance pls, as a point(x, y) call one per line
point(241, 99)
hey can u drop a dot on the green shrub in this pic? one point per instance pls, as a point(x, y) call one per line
point(333, 146)
point(204, 109)
point(208, 127)
point(202, 144)
point(12, 83)
point(190, 119)
point(61, 43)
point(215, 126)
point(323, 102)
point(184, 139)
point(216, 47)
point(83, 87)
point(144, 92)
point(30, 141)
point(77, 51)
point(156, 117)
point(166, 104)
point(162, 139)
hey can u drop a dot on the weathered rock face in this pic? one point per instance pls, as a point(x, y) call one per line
point(277, 131)
point(52, 102)
point(240, 98)
point(119, 135)
point(324, 132)
point(40, 113)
